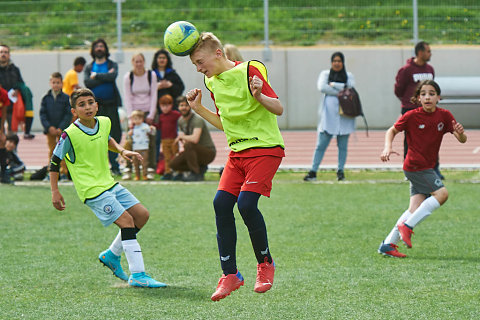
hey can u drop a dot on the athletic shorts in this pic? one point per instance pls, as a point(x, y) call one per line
point(253, 174)
point(111, 204)
point(423, 182)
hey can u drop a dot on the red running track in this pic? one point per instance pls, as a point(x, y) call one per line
point(363, 151)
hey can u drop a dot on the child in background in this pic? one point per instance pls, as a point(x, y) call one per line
point(247, 110)
point(71, 77)
point(56, 115)
point(167, 124)
point(140, 134)
point(85, 145)
point(424, 127)
point(15, 166)
point(4, 102)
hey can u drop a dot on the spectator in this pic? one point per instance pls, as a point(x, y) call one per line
point(167, 124)
point(232, 53)
point(15, 166)
point(4, 102)
point(168, 82)
point(198, 147)
point(140, 89)
point(10, 78)
point(330, 82)
point(408, 77)
point(70, 83)
point(56, 115)
point(140, 135)
point(100, 77)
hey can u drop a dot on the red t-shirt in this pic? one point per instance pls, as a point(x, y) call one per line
point(424, 132)
point(4, 101)
point(167, 124)
point(269, 92)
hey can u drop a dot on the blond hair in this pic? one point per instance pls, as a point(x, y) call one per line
point(137, 113)
point(208, 41)
point(232, 53)
point(138, 54)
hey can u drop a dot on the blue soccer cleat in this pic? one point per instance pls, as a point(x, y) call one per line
point(143, 280)
point(113, 263)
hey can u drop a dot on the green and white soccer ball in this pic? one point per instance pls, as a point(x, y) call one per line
point(180, 38)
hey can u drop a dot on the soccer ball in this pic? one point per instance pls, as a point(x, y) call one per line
point(180, 38)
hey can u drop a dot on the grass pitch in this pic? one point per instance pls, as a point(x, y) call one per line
point(324, 238)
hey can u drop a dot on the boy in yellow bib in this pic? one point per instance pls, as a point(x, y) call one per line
point(247, 110)
point(85, 145)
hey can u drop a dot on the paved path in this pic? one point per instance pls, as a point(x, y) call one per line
point(364, 152)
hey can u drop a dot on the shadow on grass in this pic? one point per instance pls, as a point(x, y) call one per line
point(169, 292)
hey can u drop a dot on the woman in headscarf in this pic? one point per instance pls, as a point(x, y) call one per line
point(332, 123)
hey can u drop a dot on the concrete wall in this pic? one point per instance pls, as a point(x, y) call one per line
point(293, 73)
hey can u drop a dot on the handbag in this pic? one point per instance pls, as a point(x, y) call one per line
point(350, 105)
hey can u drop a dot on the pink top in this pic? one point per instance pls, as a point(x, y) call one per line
point(140, 95)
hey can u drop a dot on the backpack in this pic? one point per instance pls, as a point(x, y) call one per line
point(149, 76)
point(350, 105)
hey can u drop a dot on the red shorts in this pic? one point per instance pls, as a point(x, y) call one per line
point(253, 174)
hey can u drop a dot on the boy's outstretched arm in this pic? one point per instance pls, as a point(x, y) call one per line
point(387, 150)
point(127, 154)
point(271, 104)
point(194, 99)
point(459, 132)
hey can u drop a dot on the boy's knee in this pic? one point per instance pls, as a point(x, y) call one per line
point(441, 195)
point(223, 202)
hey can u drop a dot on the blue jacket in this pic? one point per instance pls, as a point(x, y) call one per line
point(55, 112)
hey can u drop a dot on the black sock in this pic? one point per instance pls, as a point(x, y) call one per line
point(226, 231)
point(253, 219)
point(28, 124)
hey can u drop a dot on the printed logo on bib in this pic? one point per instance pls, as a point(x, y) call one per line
point(440, 126)
point(422, 126)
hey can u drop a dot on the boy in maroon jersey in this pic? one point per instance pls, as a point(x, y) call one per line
point(424, 128)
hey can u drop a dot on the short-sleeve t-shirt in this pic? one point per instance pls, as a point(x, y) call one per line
point(70, 81)
point(424, 131)
point(196, 122)
point(167, 124)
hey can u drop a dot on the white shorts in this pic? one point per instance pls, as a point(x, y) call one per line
point(111, 204)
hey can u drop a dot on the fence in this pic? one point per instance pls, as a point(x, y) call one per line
point(57, 24)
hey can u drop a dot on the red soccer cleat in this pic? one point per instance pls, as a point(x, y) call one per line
point(390, 249)
point(265, 274)
point(226, 285)
point(405, 234)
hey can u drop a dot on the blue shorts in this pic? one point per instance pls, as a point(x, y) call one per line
point(111, 204)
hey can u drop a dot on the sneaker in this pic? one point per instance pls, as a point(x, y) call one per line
point(116, 172)
point(340, 175)
point(167, 176)
point(178, 177)
point(405, 234)
point(390, 250)
point(226, 285)
point(150, 176)
point(112, 262)
point(265, 273)
point(127, 176)
point(28, 136)
point(311, 176)
point(141, 279)
point(192, 176)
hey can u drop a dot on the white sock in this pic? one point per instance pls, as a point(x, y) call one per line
point(133, 252)
point(425, 209)
point(116, 247)
point(394, 235)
